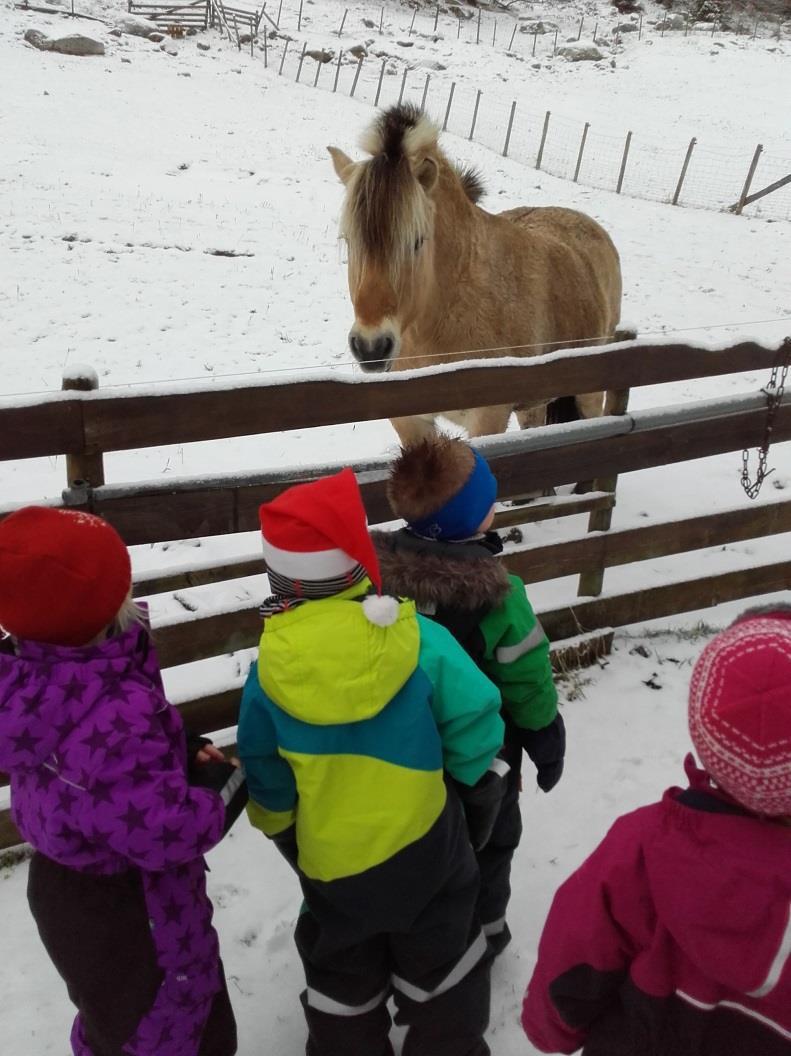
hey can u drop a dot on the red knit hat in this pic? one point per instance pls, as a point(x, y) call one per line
point(740, 711)
point(319, 530)
point(63, 575)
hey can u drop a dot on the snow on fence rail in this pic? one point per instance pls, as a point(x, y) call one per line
point(84, 424)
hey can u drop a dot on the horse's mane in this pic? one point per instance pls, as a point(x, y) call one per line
point(386, 214)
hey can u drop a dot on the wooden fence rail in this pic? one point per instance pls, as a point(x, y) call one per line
point(119, 419)
point(86, 424)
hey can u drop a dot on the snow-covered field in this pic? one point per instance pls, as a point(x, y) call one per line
point(119, 175)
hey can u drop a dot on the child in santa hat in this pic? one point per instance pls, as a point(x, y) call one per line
point(98, 765)
point(446, 560)
point(352, 714)
point(674, 937)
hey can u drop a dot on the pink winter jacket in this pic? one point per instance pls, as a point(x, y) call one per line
point(672, 939)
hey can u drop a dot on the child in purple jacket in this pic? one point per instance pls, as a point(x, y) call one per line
point(674, 937)
point(98, 765)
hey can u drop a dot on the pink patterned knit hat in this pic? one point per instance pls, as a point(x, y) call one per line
point(740, 711)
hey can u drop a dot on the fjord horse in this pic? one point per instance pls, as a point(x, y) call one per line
point(434, 278)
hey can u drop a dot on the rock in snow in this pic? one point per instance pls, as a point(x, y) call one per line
point(579, 52)
point(74, 44)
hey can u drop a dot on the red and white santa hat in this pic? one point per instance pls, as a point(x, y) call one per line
point(740, 711)
point(319, 531)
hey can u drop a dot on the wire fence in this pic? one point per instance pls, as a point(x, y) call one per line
point(686, 174)
point(569, 149)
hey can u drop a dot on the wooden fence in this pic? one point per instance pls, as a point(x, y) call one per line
point(85, 424)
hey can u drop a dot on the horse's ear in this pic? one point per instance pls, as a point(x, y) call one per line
point(342, 163)
point(427, 174)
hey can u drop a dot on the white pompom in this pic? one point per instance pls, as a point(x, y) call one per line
point(381, 609)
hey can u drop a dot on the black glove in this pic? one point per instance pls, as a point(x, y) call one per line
point(227, 781)
point(194, 744)
point(482, 802)
point(546, 748)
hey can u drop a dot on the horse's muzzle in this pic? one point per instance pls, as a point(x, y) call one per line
point(373, 356)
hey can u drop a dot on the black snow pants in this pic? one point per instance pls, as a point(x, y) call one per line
point(494, 860)
point(96, 932)
point(407, 929)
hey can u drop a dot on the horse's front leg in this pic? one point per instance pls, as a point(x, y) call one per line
point(414, 428)
point(487, 421)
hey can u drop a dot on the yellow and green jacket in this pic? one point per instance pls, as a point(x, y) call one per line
point(347, 727)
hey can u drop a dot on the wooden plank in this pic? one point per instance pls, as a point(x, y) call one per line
point(625, 546)
point(549, 509)
point(767, 190)
point(118, 422)
point(670, 599)
point(211, 414)
point(181, 643)
point(33, 430)
point(148, 583)
point(158, 513)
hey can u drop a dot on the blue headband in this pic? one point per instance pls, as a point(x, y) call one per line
point(462, 515)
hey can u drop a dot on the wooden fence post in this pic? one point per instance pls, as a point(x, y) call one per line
point(478, 32)
point(283, 57)
point(543, 140)
point(425, 92)
point(343, 22)
point(299, 17)
point(86, 467)
point(590, 583)
point(582, 148)
point(447, 108)
point(319, 64)
point(337, 71)
point(412, 23)
point(403, 85)
point(436, 17)
point(749, 180)
point(623, 162)
point(379, 85)
point(510, 126)
point(579, 31)
point(301, 60)
point(356, 77)
point(511, 45)
point(475, 112)
point(684, 167)
point(535, 38)
point(280, 8)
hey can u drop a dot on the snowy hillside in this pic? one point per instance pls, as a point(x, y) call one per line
point(121, 174)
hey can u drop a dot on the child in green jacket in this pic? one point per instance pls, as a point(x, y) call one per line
point(446, 560)
point(354, 713)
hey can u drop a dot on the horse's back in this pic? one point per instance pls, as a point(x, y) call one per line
point(567, 231)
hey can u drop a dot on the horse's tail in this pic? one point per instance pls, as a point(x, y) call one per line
point(563, 409)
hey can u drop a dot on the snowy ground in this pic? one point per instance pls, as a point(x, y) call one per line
point(117, 177)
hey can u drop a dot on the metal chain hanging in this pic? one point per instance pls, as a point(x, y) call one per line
point(774, 397)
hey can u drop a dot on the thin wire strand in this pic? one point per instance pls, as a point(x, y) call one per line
point(470, 353)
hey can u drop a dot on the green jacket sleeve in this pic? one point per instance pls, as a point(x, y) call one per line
point(517, 659)
point(465, 704)
point(270, 780)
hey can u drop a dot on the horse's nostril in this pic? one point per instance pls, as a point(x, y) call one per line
point(383, 346)
point(355, 345)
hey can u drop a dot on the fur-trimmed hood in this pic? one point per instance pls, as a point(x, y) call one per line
point(464, 575)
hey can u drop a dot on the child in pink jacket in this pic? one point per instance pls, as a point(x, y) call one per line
point(674, 937)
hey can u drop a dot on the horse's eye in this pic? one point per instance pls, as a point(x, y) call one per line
point(418, 243)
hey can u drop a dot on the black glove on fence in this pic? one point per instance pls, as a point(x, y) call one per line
point(546, 748)
point(482, 802)
point(227, 781)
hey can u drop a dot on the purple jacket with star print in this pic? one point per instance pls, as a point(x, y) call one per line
point(97, 761)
